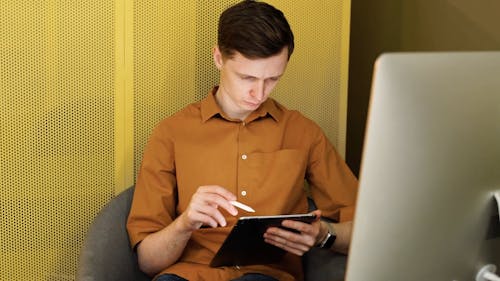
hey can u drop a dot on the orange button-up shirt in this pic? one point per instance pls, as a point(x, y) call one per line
point(262, 160)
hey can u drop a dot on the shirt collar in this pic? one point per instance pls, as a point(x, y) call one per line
point(210, 108)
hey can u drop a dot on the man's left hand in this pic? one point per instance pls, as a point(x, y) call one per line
point(307, 235)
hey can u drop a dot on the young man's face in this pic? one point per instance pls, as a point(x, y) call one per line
point(246, 83)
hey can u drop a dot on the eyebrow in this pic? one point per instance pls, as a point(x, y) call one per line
point(251, 76)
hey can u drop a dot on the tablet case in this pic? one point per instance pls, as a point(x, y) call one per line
point(245, 243)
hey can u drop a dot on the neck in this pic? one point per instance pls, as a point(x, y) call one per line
point(226, 104)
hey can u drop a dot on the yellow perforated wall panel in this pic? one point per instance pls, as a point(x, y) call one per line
point(56, 132)
point(315, 81)
point(82, 84)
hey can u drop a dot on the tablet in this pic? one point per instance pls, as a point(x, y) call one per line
point(245, 243)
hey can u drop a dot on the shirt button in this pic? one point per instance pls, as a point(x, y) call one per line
point(244, 193)
point(244, 156)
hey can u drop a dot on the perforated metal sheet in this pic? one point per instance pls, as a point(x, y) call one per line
point(316, 74)
point(56, 131)
point(61, 118)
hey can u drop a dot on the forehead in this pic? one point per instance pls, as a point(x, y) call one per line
point(258, 67)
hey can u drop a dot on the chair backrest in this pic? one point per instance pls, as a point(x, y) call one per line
point(106, 253)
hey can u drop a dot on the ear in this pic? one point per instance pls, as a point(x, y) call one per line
point(217, 57)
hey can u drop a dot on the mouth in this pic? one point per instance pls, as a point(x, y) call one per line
point(252, 104)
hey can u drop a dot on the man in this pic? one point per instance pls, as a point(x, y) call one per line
point(238, 144)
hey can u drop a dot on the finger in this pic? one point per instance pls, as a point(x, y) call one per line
point(287, 245)
point(305, 240)
point(207, 220)
point(217, 189)
point(196, 219)
point(308, 232)
point(216, 201)
point(219, 197)
point(308, 228)
point(209, 207)
point(206, 204)
point(298, 252)
point(298, 226)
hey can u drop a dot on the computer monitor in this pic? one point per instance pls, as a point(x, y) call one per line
point(431, 162)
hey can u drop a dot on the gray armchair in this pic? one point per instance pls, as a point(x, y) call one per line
point(107, 256)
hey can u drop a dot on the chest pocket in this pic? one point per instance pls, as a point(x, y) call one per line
point(278, 175)
point(280, 165)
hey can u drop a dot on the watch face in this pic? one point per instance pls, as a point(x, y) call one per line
point(330, 239)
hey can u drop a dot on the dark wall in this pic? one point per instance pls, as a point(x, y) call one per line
point(410, 25)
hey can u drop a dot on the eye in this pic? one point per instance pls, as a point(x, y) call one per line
point(248, 78)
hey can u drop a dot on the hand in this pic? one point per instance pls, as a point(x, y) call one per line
point(296, 243)
point(203, 209)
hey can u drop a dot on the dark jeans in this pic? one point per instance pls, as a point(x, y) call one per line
point(246, 277)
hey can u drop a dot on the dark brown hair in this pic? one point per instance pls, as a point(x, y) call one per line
point(254, 29)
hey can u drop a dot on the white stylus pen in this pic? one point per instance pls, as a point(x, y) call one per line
point(242, 206)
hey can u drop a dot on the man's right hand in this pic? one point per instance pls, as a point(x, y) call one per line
point(203, 209)
point(164, 247)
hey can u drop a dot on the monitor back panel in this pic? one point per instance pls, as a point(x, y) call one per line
point(431, 161)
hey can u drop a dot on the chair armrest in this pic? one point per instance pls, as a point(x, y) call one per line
point(324, 265)
point(106, 253)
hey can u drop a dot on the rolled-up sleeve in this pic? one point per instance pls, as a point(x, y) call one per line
point(332, 184)
point(154, 201)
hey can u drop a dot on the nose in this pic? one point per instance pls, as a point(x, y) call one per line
point(258, 91)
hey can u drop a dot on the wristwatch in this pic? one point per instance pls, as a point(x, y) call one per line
point(329, 238)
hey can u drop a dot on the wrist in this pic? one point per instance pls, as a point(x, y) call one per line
point(329, 236)
point(182, 224)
